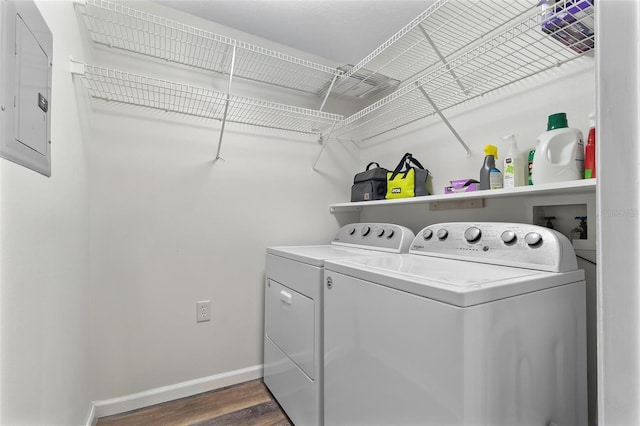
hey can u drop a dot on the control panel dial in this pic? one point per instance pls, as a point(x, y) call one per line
point(380, 232)
point(508, 237)
point(442, 234)
point(472, 234)
point(427, 234)
point(391, 233)
point(533, 238)
point(366, 230)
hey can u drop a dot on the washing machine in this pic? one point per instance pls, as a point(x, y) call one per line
point(480, 324)
point(293, 312)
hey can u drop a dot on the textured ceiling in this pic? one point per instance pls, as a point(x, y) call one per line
point(344, 31)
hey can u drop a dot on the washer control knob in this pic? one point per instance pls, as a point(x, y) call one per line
point(472, 234)
point(442, 234)
point(508, 237)
point(427, 234)
point(366, 230)
point(380, 232)
point(352, 231)
point(391, 233)
point(533, 238)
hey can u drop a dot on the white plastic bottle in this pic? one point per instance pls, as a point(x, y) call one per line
point(559, 153)
point(513, 166)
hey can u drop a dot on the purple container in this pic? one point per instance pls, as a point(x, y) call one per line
point(570, 22)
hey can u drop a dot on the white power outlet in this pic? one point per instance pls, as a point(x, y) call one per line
point(203, 311)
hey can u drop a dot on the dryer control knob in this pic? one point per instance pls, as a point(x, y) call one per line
point(472, 234)
point(380, 232)
point(508, 237)
point(442, 234)
point(533, 238)
point(427, 234)
point(391, 233)
point(352, 231)
point(366, 230)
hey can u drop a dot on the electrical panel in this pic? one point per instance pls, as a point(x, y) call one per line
point(26, 48)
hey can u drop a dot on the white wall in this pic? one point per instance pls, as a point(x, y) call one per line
point(169, 228)
point(619, 221)
point(44, 262)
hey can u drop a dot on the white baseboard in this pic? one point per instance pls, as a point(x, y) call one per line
point(108, 407)
point(93, 419)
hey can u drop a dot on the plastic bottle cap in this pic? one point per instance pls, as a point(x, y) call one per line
point(557, 121)
point(491, 150)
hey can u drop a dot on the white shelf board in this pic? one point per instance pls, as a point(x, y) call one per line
point(562, 188)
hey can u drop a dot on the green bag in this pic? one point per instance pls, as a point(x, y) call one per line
point(408, 179)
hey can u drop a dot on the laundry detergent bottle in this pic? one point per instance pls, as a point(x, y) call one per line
point(590, 150)
point(559, 153)
point(490, 176)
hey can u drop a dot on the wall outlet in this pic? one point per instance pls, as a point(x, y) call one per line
point(203, 311)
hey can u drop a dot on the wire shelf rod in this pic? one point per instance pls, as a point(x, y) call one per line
point(133, 89)
point(119, 26)
point(517, 53)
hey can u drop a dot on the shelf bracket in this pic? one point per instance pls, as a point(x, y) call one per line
point(326, 96)
point(444, 119)
point(442, 58)
point(219, 159)
point(323, 140)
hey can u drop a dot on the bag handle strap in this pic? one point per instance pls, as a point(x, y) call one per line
point(371, 164)
point(415, 162)
point(402, 164)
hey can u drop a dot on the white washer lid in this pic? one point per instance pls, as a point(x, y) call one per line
point(456, 282)
point(316, 255)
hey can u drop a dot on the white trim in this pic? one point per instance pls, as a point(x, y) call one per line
point(92, 420)
point(108, 407)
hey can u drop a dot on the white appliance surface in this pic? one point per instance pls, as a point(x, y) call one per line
point(294, 312)
point(432, 339)
point(456, 282)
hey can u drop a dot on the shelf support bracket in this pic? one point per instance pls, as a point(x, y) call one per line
point(323, 140)
point(442, 58)
point(444, 119)
point(326, 96)
point(226, 105)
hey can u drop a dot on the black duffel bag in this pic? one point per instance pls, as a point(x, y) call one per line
point(370, 184)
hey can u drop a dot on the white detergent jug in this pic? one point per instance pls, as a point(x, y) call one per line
point(559, 153)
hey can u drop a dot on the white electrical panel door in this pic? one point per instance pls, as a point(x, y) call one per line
point(32, 104)
point(25, 86)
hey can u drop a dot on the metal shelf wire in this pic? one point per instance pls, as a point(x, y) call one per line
point(115, 25)
point(517, 52)
point(446, 28)
point(133, 89)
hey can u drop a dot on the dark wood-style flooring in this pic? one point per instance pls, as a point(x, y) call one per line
point(247, 404)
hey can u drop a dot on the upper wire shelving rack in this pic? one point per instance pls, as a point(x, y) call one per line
point(116, 25)
point(133, 89)
point(465, 50)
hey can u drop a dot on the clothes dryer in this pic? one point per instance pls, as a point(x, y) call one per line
point(479, 324)
point(293, 312)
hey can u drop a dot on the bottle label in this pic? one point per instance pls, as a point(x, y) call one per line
point(495, 181)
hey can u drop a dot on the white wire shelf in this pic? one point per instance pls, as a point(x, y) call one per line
point(521, 50)
point(447, 27)
point(115, 25)
point(119, 86)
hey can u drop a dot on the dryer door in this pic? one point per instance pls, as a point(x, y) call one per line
point(290, 324)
